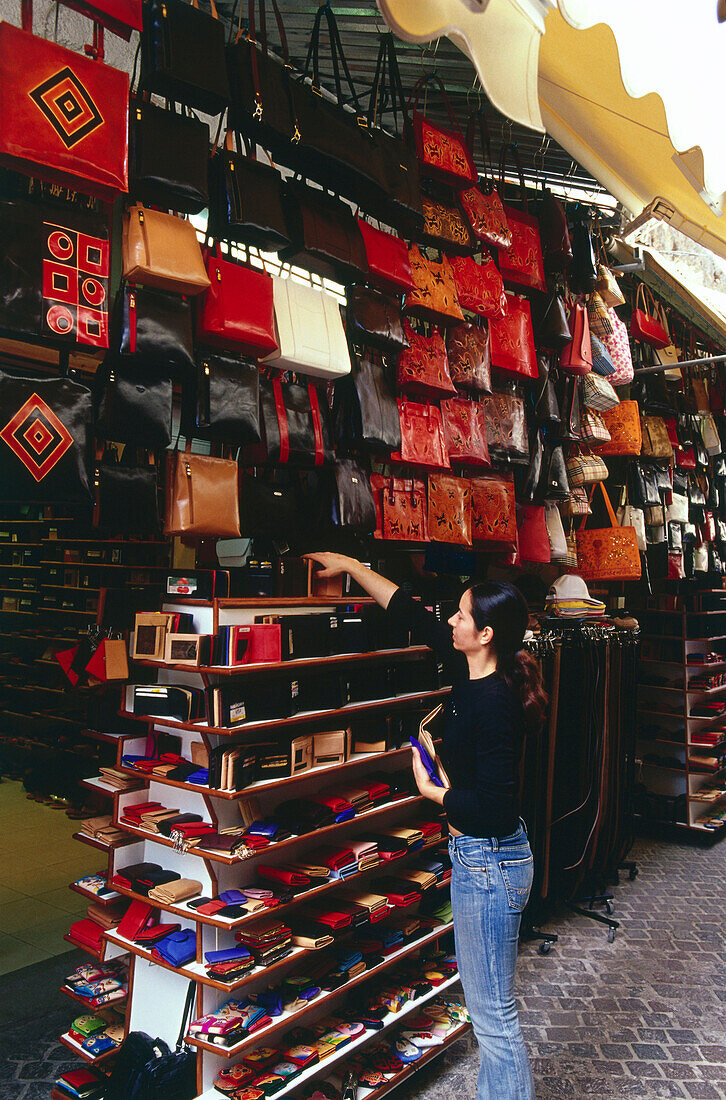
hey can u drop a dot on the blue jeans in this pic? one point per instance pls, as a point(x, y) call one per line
point(490, 885)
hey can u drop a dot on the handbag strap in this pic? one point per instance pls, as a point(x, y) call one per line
point(433, 78)
point(281, 420)
point(387, 88)
point(317, 424)
point(252, 28)
point(608, 505)
point(338, 58)
point(518, 165)
point(486, 144)
point(186, 1015)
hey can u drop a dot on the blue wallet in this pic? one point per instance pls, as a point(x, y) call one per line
point(226, 955)
point(178, 948)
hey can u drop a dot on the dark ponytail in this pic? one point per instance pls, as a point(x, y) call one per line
point(501, 606)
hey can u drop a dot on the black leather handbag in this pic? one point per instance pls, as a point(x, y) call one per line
point(374, 318)
point(354, 506)
point(267, 505)
point(583, 268)
point(246, 200)
point(168, 156)
point(296, 424)
point(154, 328)
point(44, 439)
point(223, 402)
point(551, 325)
point(365, 410)
point(134, 405)
point(182, 55)
point(325, 235)
point(156, 1073)
point(126, 497)
point(544, 395)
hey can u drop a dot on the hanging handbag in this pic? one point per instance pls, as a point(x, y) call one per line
point(449, 509)
point(644, 323)
point(709, 435)
point(121, 17)
point(422, 436)
point(296, 424)
point(606, 284)
point(534, 543)
point(555, 533)
point(554, 232)
point(656, 443)
point(602, 363)
point(308, 331)
point(481, 203)
point(696, 393)
point(552, 326)
point(544, 397)
point(628, 516)
point(506, 427)
point(610, 553)
point(355, 507)
point(162, 251)
point(582, 274)
point(623, 423)
point(468, 350)
point(493, 510)
point(134, 405)
point(404, 515)
point(44, 438)
point(521, 264)
point(678, 509)
point(201, 496)
point(598, 393)
point(570, 407)
point(374, 318)
point(446, 228)
point(593, 429)
point(222, 402)
point(585, 469)
point(159, 1074)
point(153, 327)
point(246, 202)
point(434, 294)
point(598, 314)
point(423, 367)
point(479, 286)
point(168, 156)
point(182, 55)
point(512, 340)
point(555, 484)
point(618, 347)
point(267, 505)
point(576, 357)
point(325, 236)
point(388, 264)
point(237, 314)
point(364, 407)
point(442, 154)
point(533, 480)
point(577, 504)
point(64, 116)
point(465, 432)
point(126, 499)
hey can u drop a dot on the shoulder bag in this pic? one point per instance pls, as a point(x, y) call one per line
point(309, 331)
point(610, 553)
point(465, 432)
point(237, 311)
point(126, 498)
point(364, 406)
point(468, 350)
point(481, 202)
point(182, 55)
point(354, 497)
point(374, 318)
point(512, 339)
point(387, 259)
point(449, 508)
point(223, 401)
point(201, 496)
point(134, 405)
point(602, 363)
point(544, 395)
point(442, 153)
point(576, 357)
point(656, 443)
point(645, 324)
point(445, 227)
point(404, 515)
point(623, 423)
point(521, 264)
point(423, 367)
point(160, 1074)
point(555, 232)
point(296, 424)
point(154, 327)
point(583, 269)
point(551, 324)
point(422, 436)
point(618, 347)
point(493, 510)
point(506, 427)
point(325, 237)
point(162, 250)
point(479, 286)
point(599, 316)
point(168, 156)
point(434, 292)
point(533, 539)
point(246, 199)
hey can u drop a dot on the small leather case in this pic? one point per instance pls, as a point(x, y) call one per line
point(156, 933)
point(137, 917)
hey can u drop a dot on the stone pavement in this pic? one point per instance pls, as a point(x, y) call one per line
point(644, 1016)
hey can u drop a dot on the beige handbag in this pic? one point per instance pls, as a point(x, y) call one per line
point(162, 250)
point(607, 285)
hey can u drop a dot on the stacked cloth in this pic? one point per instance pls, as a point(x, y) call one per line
point(569, 598)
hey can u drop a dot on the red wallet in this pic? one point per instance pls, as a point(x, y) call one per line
point(137, 917)
point(279, 874)
point(155, 933)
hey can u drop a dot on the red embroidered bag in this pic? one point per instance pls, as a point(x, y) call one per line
point(513, 347)
point(481, 203)
point(422, 436)
point(479, 286)
point(470, 358)
point(442, 153)
point(521, 264)
point(645, 326)
point(449, 509)
point(493, 510)
point(422, 367)
point(465, 431)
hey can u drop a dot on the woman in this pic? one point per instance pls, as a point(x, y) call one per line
point(496, 697)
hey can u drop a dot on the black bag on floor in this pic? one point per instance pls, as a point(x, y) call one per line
point(145, 1068)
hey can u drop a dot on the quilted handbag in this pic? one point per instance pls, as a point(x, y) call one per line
point(598, 393)
point(402, 503)
point(479, 286)
point(309, 331)
point(512, 339)
point(534, 542)
point(602, 364)
point(182, 55)
point(506, 427)
point(656, 443)
point(442, 154)
point(623, 423)
point(434, 293)
point(449, 509)
point(465, 431)
point(618, 348)
point(576, 357)
point(469, 353)
point(63, 116)
point(481, 203)
point(423, 367)
point(608, 553)
point(389, 266)
point(237, 312)
point(422, 436)
point(162, 250)
point(246, 199)
point(493, 510)
point(522, 263)
point(375, 318)
point(585, 469)
point(592, 427)
point(645, 324)
point(325, 236)
point(445, 227)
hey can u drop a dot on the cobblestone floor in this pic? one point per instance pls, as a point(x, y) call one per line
point(644, 1016)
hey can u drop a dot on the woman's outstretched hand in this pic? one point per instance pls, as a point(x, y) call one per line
point(333, 564)
point(425, 784)
point(374, 584)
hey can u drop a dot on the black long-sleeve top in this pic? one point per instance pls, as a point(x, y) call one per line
point(482, 737)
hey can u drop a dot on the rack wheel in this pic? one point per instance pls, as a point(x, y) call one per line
point(611, 935)
point(544, 948)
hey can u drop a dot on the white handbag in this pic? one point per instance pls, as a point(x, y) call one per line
point(628, 516)
point(678, 509)
point(700, 557)
point(310, 334)
point(709, 435)
point(555, 531)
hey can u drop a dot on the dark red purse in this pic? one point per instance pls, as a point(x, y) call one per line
point(479, 286)
point(389, 266)
point(237, 312)
point(465, 431)
point(422, 436)
point(513, 347)
point(481, 203)
point(442, 153)
point(470, 358)
point(644, 324)
point(576, 357)
point(423, 367)
point(534, 542)
point(521, 264)
point(400, 508)
point(121, 17)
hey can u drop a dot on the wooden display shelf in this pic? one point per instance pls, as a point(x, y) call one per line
point(101, 735)
point(303, 664)
point(99, 1059)
point(104, 847)
point(98, 785)
point(114, 896)
point(96, 542)
point(227, 603)
point(70, 588)
point(705, 691)
point(100, 954)
point(87, 1004)
point(100, 565)
point(409, 1071)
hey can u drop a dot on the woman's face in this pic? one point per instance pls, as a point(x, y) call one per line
point(467, 638)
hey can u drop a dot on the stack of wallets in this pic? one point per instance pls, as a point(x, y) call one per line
point(252, 644)
point(82, 1084)
point(107, 916)
point(199, 584)
point(102, 829)
point(143, 877)
point(119, 780)
point(366, 852)
point(99, 983)
point(229, 964)
point(342, 862)
point(177, 701)
point(269, 941)
point(151, 629)
point(232, 767)
point(230, 1022)
point(229, 705)
point(302, 636)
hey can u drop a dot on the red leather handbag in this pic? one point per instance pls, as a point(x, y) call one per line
point(465, 432)
point(237, 311)
point(493, 510)
point(534, 542)
point(470, 358)
point(644, 323)
point(449, 509)
point(513, 347)
point(479, 286)
point(481, 203)
point(63, 116)
point(442, 153)
point(422, 436)
point(401, 508)
point(388, 264)
point(423, 368)
point(521, 264)
point(576, 357)
point(121, 17)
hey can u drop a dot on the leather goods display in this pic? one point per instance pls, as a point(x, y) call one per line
point(445, 227)
point(618, 347)
point(309, 331)
point(182, 55)
point(434, 294)
point(237, 311)
point(522, 263)
point(609, 553)
point(465, 431)
point(401, 510)
point(168, 154)
point(479, 286)
point(512, 340)
point(201, 496)
point(481, 203)
point(387, 258)
point(374, 318)
point(355, 507)
point(44, 438)
point(645, 324)
point(422, 436)
point(554, 232)
point(655, 441)
point(246, 199)
point(296, 424)
point(469, 353)
point(623, 423)
point(134, 406)
point(162, 251)
point(423, 367)
point(443, 154)
point(533, 540)
point(325, 237)
point(449, 509)
point(576, 357)
point(223, 400)
point(365, 409)
point(493, 510)
point(154, 327)
point(64, 116)
point(506, 427)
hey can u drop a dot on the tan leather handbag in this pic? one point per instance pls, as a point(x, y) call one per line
point(656, 443)
point(201, 496)
point(162, 250)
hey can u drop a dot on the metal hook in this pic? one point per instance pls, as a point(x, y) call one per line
point(507, 130)
point(538, 160)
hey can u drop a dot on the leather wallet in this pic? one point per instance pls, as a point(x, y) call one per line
point(311, 935)
point(178, 948)
point(138, 916)
point(229, 954)
point(173, 893)
point(281, 874)
point(155, 933)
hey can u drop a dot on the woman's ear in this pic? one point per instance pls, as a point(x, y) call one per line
point(486, 636)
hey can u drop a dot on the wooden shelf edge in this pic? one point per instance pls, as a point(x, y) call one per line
point(409, 652)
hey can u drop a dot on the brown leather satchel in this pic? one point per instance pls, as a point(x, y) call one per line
point(162, 250)
point(506, 427)
point(493, 510)
point(656, 443)
point(449, 509)
point(201, 496)
point(434, 295)
point(468, 349)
